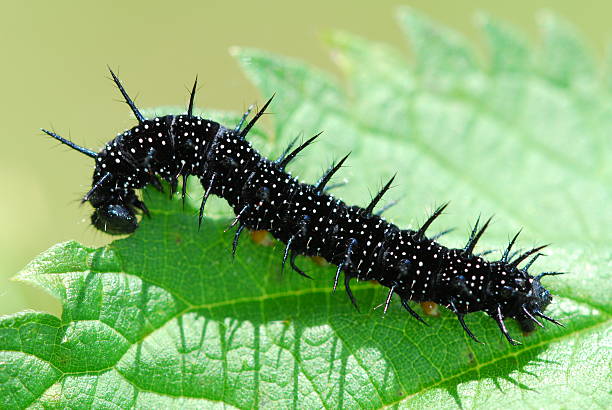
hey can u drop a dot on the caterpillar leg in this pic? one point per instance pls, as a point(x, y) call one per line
point(467, 329)
point(349, 292)
point(302, 230)
point(347, 260)
point(406, 305)
point(345, 264)
point(205, 198)
point(462, 322)
point(499, 318)
point(388, 300)
point(236, 238)
point(294, 266)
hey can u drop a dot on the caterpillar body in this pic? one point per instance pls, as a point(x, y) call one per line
point(307, 219)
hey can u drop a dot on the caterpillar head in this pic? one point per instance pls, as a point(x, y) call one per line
point(115, 202)
point(518, 295)
point(114, 208)
point(500, 288)
point(114, 219)
point(531, 301)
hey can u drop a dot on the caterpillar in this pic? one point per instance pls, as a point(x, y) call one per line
point(307, 219)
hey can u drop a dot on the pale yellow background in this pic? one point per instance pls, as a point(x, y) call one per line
point(53, 74)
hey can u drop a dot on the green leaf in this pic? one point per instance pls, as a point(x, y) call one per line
point(166, 318)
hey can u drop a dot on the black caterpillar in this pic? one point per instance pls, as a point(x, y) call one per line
point(306, 219)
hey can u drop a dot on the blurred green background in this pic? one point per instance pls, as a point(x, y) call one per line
point(53, 75)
